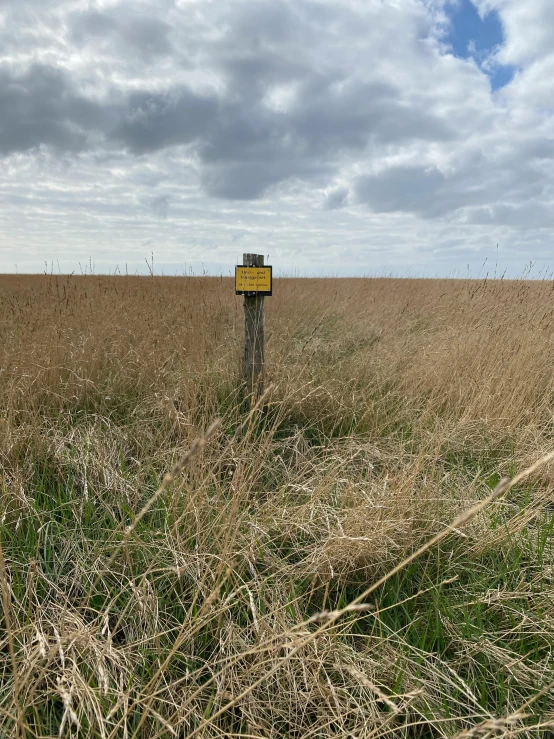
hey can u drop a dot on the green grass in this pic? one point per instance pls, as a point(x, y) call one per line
point(480, 612)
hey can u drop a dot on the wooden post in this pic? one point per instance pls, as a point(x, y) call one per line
point(254, 325)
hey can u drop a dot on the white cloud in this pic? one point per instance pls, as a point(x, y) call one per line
point(341, 135)
point(528, 28)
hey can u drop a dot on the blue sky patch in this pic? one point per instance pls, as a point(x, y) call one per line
point(473, 37)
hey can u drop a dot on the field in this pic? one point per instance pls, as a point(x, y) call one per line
point(272, 585)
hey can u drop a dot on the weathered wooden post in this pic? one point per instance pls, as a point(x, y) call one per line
point(254, 281)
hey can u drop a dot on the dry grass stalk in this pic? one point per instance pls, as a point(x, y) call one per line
point(235, 600)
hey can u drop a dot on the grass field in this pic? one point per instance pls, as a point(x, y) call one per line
point(272, 588)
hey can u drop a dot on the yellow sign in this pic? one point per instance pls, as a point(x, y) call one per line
point(253, 280)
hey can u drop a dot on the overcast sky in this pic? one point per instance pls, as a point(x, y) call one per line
point(334, 136)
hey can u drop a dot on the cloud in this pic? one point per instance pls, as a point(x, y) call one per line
point(528, 28)
point(160, 205)
point(244, 140)
point(400, 188)
point(153, 121)
point(530, 215)
point(334, 124)
point(124, 27)
point(40, 107)
point(431, 193)
point(336, 198)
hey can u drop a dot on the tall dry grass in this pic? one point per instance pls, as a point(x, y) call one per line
point(242, 598)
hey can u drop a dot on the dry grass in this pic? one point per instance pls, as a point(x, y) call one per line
point(272, 589)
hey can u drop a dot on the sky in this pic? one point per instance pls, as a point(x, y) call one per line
point(336, 137)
